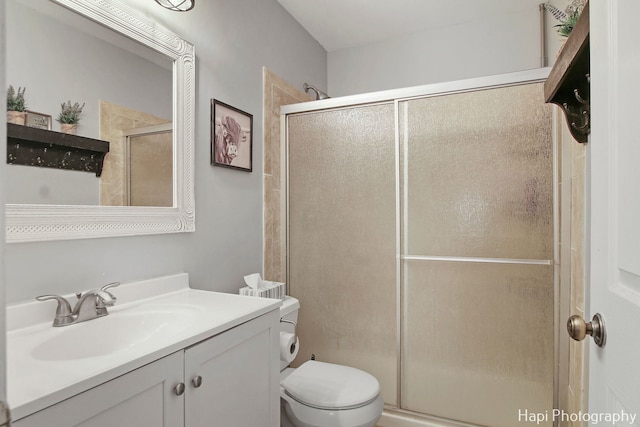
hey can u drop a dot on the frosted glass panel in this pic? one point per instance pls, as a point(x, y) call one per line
point(479, 174)
point(151, 169)
point(342, 234)
point(478, 340)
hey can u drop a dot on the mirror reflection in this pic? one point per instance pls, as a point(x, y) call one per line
point(148, 164)
point(125, 87)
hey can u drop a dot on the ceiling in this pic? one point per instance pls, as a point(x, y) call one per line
point(340, 24)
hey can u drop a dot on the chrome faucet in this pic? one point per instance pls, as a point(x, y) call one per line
point(90, 305)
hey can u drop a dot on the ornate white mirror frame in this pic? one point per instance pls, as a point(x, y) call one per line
point(27, 223)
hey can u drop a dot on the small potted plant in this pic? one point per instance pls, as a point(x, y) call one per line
point(16, 106)
point(69, 117)
point(567, 18)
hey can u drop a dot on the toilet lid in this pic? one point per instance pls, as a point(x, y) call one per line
point(328, 386)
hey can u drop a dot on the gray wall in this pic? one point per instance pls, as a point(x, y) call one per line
point(34, 185)
point(233, 41)
point(489, 45)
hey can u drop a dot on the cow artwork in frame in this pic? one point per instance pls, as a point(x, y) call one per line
point(231, 137)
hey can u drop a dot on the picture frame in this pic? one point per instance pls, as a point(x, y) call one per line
point(231, 137)
point(37, 120)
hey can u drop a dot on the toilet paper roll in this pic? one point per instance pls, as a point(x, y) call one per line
point(288, 346)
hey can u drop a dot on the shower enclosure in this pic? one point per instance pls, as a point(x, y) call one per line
point(420, 235)
point(148, 166)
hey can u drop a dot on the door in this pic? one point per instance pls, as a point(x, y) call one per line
point(144, 397)
point(614, 209)
point(149, 166)
point(232, 379)
point(342, 238)
point(4, 416)
point(477, 255)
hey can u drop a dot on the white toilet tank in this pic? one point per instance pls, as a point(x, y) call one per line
point(289, 311)
point(289, 308)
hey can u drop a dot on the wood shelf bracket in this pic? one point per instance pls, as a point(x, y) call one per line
point(569, 81)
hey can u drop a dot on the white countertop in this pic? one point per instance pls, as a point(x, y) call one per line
point(46, 365)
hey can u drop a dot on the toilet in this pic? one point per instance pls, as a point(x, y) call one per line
point(320, 394)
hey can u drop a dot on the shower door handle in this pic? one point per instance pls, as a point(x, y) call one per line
point(578, 329)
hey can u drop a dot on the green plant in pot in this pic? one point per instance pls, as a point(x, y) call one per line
point(16, 105)
point(69, 117)
point(568, 17)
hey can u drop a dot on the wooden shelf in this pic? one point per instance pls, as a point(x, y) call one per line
point(568, 83)
point(44, 148)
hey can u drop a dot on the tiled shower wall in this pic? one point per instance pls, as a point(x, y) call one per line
point(277, 93)
point(571, 190)
point(114, 120)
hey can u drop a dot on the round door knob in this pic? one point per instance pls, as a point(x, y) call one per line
point(179, 389)
point(197, 381)
point(578, 329)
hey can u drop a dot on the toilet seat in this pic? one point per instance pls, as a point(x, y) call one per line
point(301, 415)
point(328, 386)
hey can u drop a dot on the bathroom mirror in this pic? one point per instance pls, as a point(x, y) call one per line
point(33, 221)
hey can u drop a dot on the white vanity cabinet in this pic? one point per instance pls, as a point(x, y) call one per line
point(144, 397)
point(230, 379)
point(234, 378)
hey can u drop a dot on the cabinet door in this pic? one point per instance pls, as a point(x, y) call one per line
point(240, 377)
point(144, 397)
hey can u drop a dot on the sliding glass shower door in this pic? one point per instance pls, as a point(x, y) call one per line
point(342, 238)
point(477, 270)
point(421, 247)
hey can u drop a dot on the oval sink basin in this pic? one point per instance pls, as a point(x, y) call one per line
point(116, 332)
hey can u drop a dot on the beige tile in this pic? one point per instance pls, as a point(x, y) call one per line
point(269, 236)
point(571, 159)
point(114, 119)
point(277, 92)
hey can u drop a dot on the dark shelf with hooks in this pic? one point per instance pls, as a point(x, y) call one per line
point(44, 148)
point(568, 84)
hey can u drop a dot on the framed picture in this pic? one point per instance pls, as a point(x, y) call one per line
point(231, 137)
point(38, 120)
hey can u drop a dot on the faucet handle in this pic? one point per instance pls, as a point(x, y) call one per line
point(63, 311)
point(109, 286)
point(64, 308)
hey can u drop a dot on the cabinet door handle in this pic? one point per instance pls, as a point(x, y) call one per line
point(179, 389)
point(197, 381)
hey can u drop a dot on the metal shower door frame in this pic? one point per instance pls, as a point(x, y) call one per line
point(396, 97)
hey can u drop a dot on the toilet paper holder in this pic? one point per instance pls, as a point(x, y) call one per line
point(295, 329)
